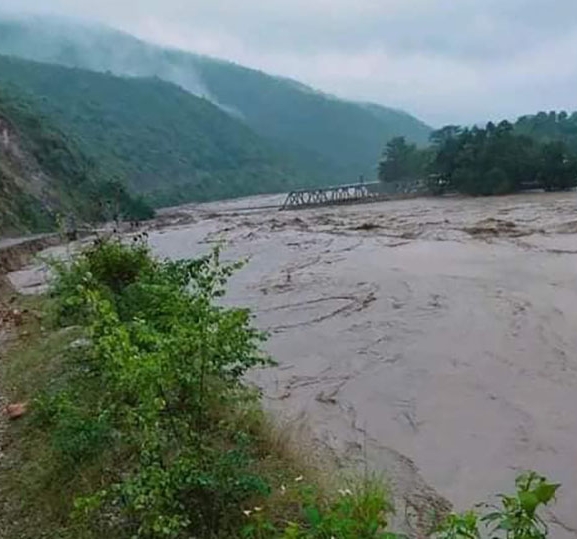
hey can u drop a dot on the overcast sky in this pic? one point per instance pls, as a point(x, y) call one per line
point(446, 61)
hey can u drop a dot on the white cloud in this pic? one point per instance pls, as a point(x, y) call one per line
point(444, 60)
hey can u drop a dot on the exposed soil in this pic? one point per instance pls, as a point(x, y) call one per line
point(16, 253)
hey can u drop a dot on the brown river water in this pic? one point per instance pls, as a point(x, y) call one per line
point(434, 338)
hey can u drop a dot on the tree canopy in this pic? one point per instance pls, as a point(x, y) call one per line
point(536, 152)
point(401, 161)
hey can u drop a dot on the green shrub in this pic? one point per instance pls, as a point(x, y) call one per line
point(460, 526)
point(516, 517)
point(107, 266)
point(162, 372)
point(362, 510)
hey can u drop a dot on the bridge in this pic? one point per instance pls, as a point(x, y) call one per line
point(338, 194)
point(353, 193)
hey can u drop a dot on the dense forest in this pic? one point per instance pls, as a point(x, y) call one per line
point(325, 138)
point(168, 144)
point(44, 172)
point(538, 151)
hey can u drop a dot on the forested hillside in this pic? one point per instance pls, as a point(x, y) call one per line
point(347, 134)
point(167, 143)
point(44, 173)
point(326, 138)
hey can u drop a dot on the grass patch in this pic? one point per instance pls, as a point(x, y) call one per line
point(34, 358)
point(37, 355)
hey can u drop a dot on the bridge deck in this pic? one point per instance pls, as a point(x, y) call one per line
point(338, 194)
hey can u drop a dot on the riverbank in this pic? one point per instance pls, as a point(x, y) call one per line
point(16, 253)
point(145, 434)
point(413, 335)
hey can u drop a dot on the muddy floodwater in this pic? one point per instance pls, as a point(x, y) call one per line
point(435, 337)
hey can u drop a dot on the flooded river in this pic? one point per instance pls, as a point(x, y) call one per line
point(435, 337)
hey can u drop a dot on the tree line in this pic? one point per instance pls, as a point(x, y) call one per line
point(538, 151)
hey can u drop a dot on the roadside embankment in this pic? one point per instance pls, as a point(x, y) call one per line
point(16, 253)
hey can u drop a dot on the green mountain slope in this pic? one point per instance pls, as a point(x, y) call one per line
point(329, 138)
point(167, 143)
point(43, 172)
point(348, 134)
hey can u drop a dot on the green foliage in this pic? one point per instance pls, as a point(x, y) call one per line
point(170, 361)
point(459, 526)
point(72, 182)
point(115, 202)
point(78, 432)
point(360, 511)
point(402, 162)
point(515, 518)
point(498, 160)
point(168, 144)
point(550, 127)
point(558, 166)
point(157, 390)
point(107, 267)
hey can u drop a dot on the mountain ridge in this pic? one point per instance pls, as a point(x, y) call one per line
point(163, 141)
point(328, 136)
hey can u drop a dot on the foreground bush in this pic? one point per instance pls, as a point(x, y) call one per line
point(158, 388)
point(155, 403)
point(515, 517)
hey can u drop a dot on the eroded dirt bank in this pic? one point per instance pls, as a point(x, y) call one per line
point(436, 337)
point(15, 253)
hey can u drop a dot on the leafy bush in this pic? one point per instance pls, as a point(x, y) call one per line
point(107, 266)
point(515, 518)
point(359, 511)
point(161, 375)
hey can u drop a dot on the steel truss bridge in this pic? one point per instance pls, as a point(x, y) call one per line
point(338, 194)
